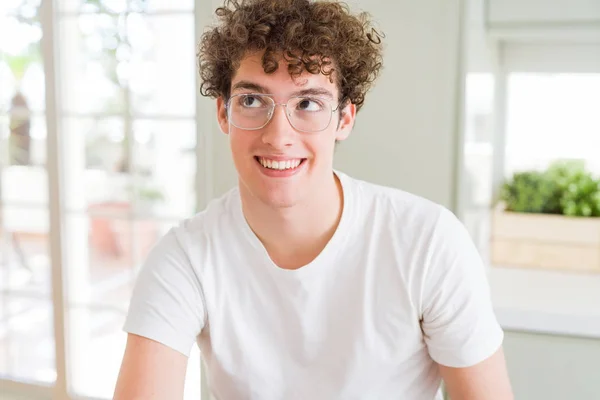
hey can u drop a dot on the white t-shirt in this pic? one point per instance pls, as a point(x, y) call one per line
point(399, 287)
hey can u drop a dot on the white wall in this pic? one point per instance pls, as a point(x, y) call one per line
point(543, 11)
point(406, 135)
point(544, 367)
point(568, 21)
point(479, 48)
point(552, 57)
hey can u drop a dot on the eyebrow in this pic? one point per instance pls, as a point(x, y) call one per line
point(247, 85)
point(255, 87)
point(314, 92)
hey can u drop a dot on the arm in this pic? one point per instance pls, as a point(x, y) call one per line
point(487, 380)
point(150, 371)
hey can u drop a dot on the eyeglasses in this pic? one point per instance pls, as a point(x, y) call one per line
point(254, 111)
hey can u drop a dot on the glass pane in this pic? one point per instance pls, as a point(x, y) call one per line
point(19, 7)
point(27, 339)
point(95, 334)
point(26, 141)
point(24, 259)
point(161, 5)
point(96, 159)
point(21, 68)
point(165, 166)
point(162, 69)
point(93, 6)
point(552, 116)
point(99, 263)
point(118, 6)
point(94, 57)
point(111, 261)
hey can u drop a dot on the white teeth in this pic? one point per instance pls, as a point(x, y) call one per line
point(279, 165)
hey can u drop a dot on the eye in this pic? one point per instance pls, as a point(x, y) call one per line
point(309, 104)
point(251, 101)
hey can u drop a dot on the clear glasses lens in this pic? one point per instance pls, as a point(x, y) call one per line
point(254, 111)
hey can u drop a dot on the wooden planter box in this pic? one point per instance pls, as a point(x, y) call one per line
point(545, 241)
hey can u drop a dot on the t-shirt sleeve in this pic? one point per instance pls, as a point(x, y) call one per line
point(458, 319)
point(167, 303)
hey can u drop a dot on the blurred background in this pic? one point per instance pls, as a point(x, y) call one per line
point(105, 144)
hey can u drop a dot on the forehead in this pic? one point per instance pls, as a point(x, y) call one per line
point(280, 82)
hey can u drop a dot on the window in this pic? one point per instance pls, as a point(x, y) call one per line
point(552, 116)
point(539, 105)
point(127, 133)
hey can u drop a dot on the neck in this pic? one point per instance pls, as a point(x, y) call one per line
point(294, 236)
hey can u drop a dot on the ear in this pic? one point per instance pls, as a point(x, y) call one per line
point(222, 115)
point(346, 123)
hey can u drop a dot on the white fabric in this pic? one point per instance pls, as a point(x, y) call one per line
point(399, 287)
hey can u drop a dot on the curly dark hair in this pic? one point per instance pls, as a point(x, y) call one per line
point(316, 36)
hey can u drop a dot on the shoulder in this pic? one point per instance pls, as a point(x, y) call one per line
point(428, 228)
point(180, 252)
point(395, 205)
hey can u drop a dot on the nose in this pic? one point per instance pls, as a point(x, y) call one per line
point(278, 133)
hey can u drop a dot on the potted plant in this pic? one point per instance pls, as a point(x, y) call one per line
point(549, 219)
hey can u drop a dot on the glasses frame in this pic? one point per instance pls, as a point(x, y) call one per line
point(272, 110)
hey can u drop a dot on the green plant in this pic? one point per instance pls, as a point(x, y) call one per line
point(19, 63)
point(26, 15)
point(529, 192)
point(581, 197)
point(150, 194)
point(562, 173)
point(564, 188)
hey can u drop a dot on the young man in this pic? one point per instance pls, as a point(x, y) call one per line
point(302, 282)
